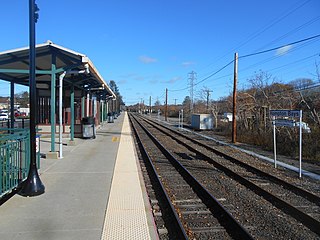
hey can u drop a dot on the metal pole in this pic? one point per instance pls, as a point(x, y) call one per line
point(53, 103)
point(33, 185)
point(11, 104)
point(60, 113)
point(72, 113)
point(82, 106)
point(88, 105)
point(274, 142)
point(181, 118)
point(234, 112)
point(102, 111)
point(300, 145)
point(166, 108)
point(150, 105)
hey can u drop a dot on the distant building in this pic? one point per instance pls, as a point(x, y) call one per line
point(228, 116)
point(4, 102)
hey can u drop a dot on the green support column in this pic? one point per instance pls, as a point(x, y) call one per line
point(11, 105)
point(72, 113)
point(53, 102)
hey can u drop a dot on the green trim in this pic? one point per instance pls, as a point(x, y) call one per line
point(24, 71)
point(14, 158)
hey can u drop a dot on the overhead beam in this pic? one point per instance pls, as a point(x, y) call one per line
point(24, 71)
point(12, 58)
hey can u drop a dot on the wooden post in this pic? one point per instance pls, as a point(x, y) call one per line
point(234, 112)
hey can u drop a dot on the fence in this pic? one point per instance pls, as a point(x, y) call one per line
point(14, 158)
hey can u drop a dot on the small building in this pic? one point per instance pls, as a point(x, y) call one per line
point(202, 121)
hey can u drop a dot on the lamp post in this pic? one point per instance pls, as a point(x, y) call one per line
point(32, 186)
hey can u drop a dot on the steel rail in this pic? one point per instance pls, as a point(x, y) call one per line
point(178, 226)
point(302, 217)
point(299, 191)
point(236, 230)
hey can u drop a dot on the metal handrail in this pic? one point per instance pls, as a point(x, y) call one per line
point(14, 158)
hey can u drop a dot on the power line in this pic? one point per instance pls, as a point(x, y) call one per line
point(245, 56)
point(274, 23)
point(282, 46)
point(268, 26)
point(274, 57)
point(291, 32)
point(206, 78)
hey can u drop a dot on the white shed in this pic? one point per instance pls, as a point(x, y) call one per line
point(202, 121)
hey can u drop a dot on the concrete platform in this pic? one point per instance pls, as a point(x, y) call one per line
point(77, 192)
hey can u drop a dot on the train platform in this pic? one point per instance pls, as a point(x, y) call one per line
point(95, 191)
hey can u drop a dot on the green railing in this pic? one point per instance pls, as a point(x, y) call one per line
point(14, 158)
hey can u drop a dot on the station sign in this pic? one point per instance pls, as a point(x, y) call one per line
point(283, 123)
point(285, 113)
point(283, 118)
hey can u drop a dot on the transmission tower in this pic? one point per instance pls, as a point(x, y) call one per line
point(192, 78)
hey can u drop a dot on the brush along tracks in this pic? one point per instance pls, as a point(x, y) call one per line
point(266, 206)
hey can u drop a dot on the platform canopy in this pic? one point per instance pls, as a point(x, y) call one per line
point(53, 59)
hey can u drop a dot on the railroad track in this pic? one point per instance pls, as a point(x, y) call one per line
point(293, 202)
point(196, 214)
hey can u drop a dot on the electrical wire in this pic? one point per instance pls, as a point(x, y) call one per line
point(275, 57)
point(245, 56)
point(274, 23)
point(313, 20)
point(282, 46)
point(286, 65)
point(206, 78)
point(259, 32)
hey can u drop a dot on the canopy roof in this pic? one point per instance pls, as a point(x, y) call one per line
point(52, 59)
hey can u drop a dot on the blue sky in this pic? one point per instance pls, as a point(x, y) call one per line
point(148, 46)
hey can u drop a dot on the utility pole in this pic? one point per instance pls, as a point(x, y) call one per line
point(166, 107)
point(234, 109)
point(208, 94)
point(192, 78)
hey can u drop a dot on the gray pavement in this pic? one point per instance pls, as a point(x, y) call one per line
point(76, 192)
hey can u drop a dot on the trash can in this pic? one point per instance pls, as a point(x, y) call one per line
point(88, 128)
point(110, 117)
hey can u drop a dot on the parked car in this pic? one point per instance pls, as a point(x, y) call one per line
point(3, 111)
point(4, 116)
point(20, 114)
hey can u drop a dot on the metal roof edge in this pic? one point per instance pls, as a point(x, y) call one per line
point(19, 49)
point(50, 43)
point(105, 84)
point(47, 43)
